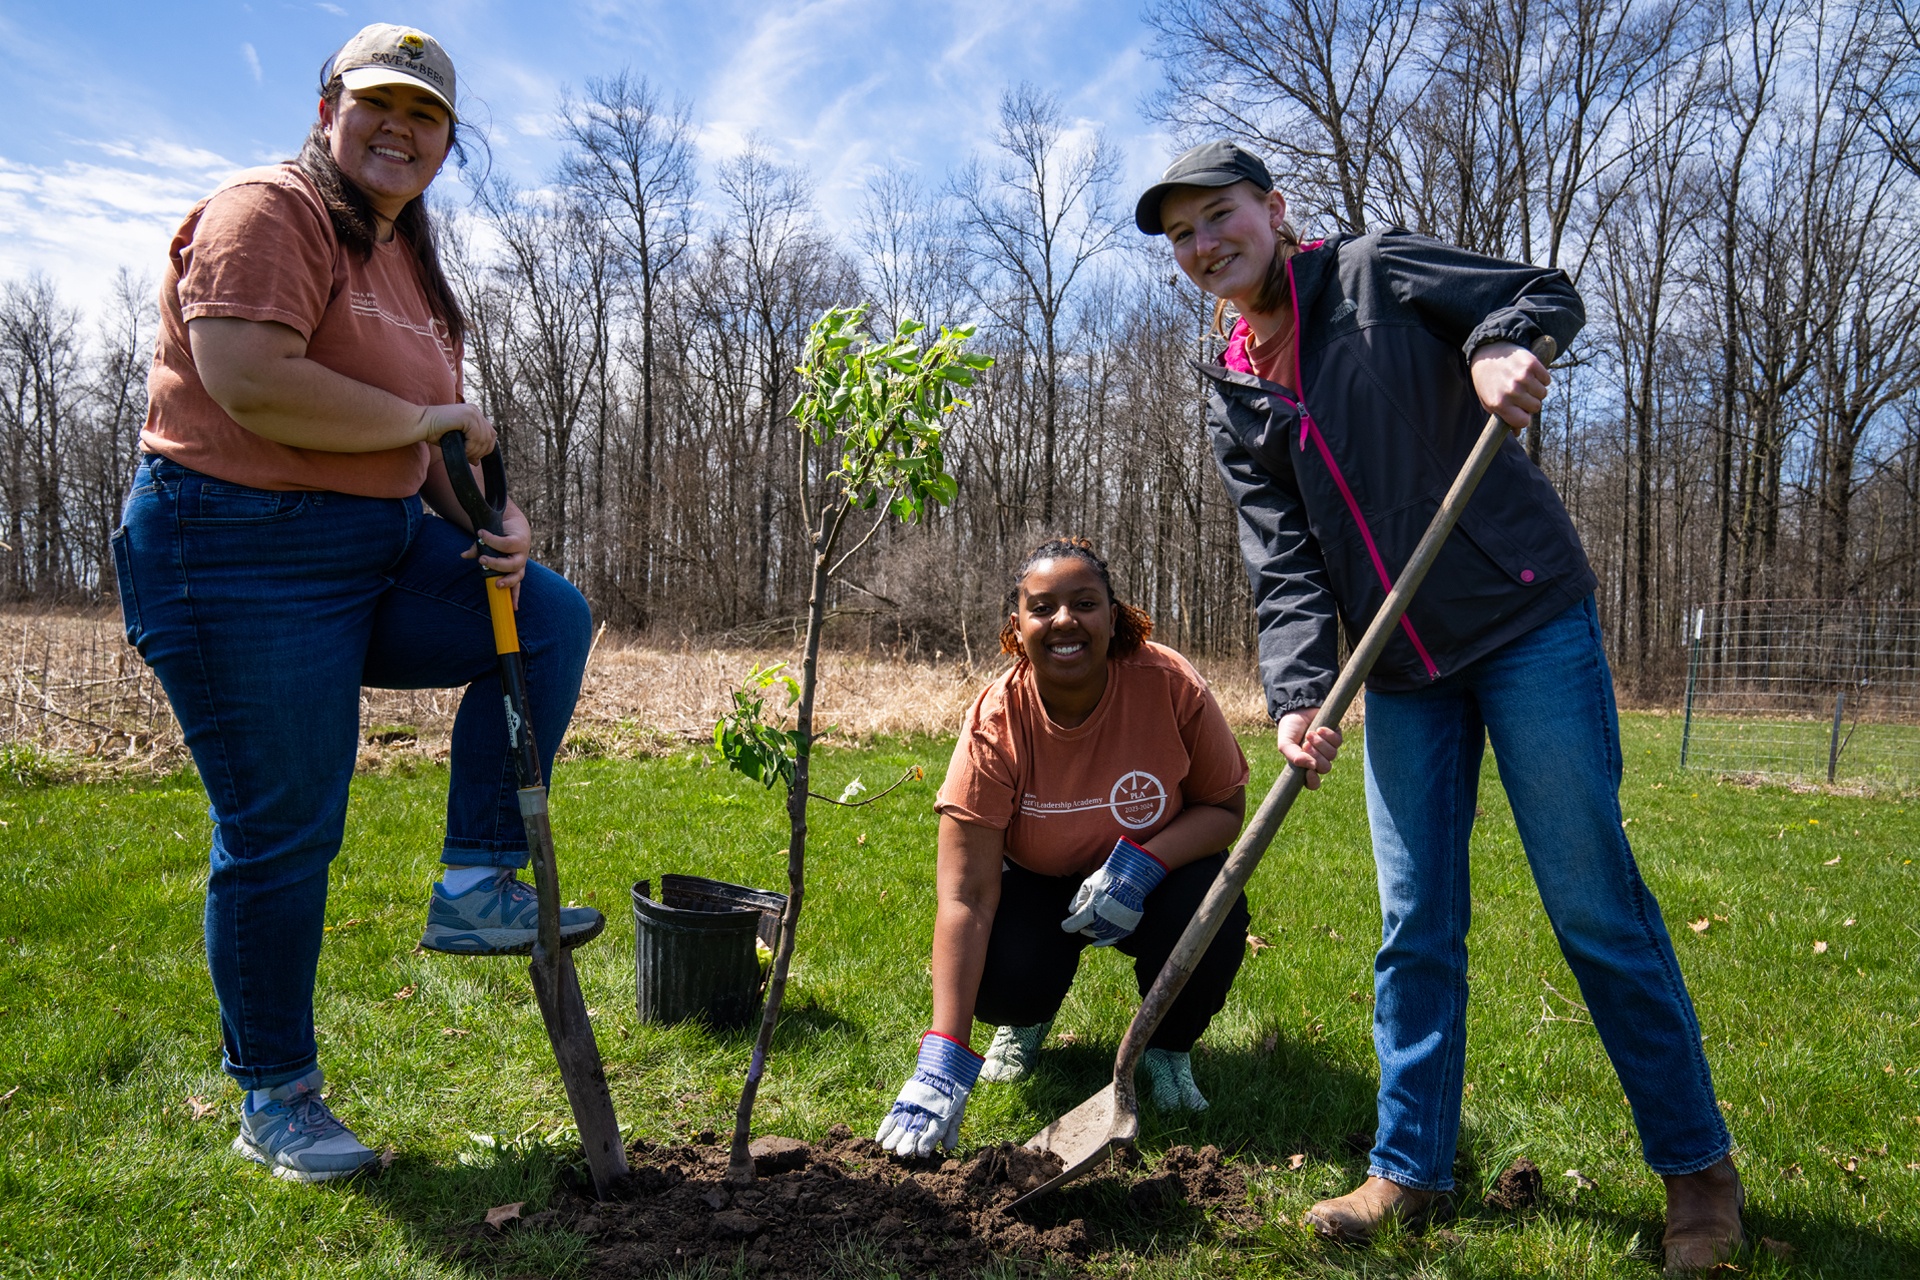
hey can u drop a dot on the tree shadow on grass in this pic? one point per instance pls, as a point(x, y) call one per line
point(441, 1210)
point(1816, 1244)
point(802, 1018)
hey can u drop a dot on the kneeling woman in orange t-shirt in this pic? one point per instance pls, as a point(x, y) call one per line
point(1092, 794)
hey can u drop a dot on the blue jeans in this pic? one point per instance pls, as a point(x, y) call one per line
point(263, 613)
point(1546, 702)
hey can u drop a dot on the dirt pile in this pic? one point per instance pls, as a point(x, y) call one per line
point(1517, 1189)
point(922, 1218)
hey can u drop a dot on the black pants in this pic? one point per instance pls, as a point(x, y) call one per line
point(1031, 960)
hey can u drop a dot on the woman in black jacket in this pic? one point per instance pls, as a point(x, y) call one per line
point(1353, 386)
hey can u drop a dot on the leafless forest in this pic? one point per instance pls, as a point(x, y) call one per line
point(1732, 185)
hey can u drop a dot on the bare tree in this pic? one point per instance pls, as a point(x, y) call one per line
point(557, 334)
point(1643, 270)
point(1031, 230)
point(1323, 85)
point(910, 262)
point(116, 408)
point(41, 385)
point(631, 165)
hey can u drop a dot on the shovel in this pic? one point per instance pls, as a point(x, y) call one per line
point(1111, 1118)
point(555, 984)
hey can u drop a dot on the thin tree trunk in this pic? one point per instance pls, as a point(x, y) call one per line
point(740, 1160)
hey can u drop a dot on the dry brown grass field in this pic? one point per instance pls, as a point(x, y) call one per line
point(77, 697)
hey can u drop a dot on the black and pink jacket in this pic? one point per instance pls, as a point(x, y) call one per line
point(1335, 486)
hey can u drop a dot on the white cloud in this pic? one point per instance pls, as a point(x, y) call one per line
point(754, 92)
point(333, 9)
point(79, 222)
point(252, 56)
point(847, 87)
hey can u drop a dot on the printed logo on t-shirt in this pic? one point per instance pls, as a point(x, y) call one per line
point(1136, 801)
point(368, 304)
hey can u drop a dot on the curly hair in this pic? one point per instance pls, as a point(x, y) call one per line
point(1132, 627)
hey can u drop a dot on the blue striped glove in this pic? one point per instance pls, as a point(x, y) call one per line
point(927, 1113)
point(1108, 906)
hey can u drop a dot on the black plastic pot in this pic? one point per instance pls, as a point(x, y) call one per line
point(693, 953)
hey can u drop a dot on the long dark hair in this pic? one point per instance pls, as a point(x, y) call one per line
point(355, 223)
point(1130, 629)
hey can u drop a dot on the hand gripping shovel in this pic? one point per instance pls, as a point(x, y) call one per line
point(1111, 1118)
point(555, 984)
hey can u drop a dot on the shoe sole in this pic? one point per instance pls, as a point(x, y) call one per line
point(255, 1154)
point(500, 942)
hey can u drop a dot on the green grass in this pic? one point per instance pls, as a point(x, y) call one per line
point(1874, 755)
point(107, 1027)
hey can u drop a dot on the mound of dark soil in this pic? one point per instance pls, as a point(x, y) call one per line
point(1517, 1189)
point(923, 1218)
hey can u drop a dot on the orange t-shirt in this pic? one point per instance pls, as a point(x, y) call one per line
point(1157, 743)
point(1273, 359)
point(262, 248)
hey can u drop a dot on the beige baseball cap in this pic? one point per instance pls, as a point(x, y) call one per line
point(386, 54)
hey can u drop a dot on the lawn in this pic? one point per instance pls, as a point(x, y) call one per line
point(115, 1118)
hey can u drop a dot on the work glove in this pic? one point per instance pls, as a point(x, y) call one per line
point(927, 1112)
point(1108, 904)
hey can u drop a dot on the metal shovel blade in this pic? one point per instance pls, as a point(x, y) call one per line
point(1084, 1137)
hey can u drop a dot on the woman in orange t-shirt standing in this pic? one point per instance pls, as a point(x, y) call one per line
point(1092, 794)
point(276, 554)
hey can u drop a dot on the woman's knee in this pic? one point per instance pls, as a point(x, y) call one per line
point(1217, 966)
point(554, 618)
point(1012, 999)
point(1220, 964)
point(1024, 981)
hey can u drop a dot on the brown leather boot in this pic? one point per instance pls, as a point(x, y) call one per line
point(1354, 1217)
point(1703, 1219)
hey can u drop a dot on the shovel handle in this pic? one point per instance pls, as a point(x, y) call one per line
point(1252, 844)
point(486, 510)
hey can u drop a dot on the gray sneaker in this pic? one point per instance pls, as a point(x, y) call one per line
point(500, 918)
point(295, 1135)
point(1014, 1052)
point(1171, 1075)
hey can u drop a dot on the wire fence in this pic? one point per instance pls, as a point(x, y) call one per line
point(1805, 690)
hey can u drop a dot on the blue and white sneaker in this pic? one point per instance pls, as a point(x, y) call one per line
point(295, 1135)
point(500, 917)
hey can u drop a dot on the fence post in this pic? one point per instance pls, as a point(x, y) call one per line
point(1833, 742)
point(1693, 672)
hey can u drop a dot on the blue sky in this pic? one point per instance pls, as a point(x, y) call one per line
point(115, 117)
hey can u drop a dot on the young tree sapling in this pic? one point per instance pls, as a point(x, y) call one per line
point(876, 407)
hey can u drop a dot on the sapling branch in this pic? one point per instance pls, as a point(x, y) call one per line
point(913, 774)
point(885, 511)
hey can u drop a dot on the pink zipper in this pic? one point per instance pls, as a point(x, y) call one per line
point(1309, 429)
